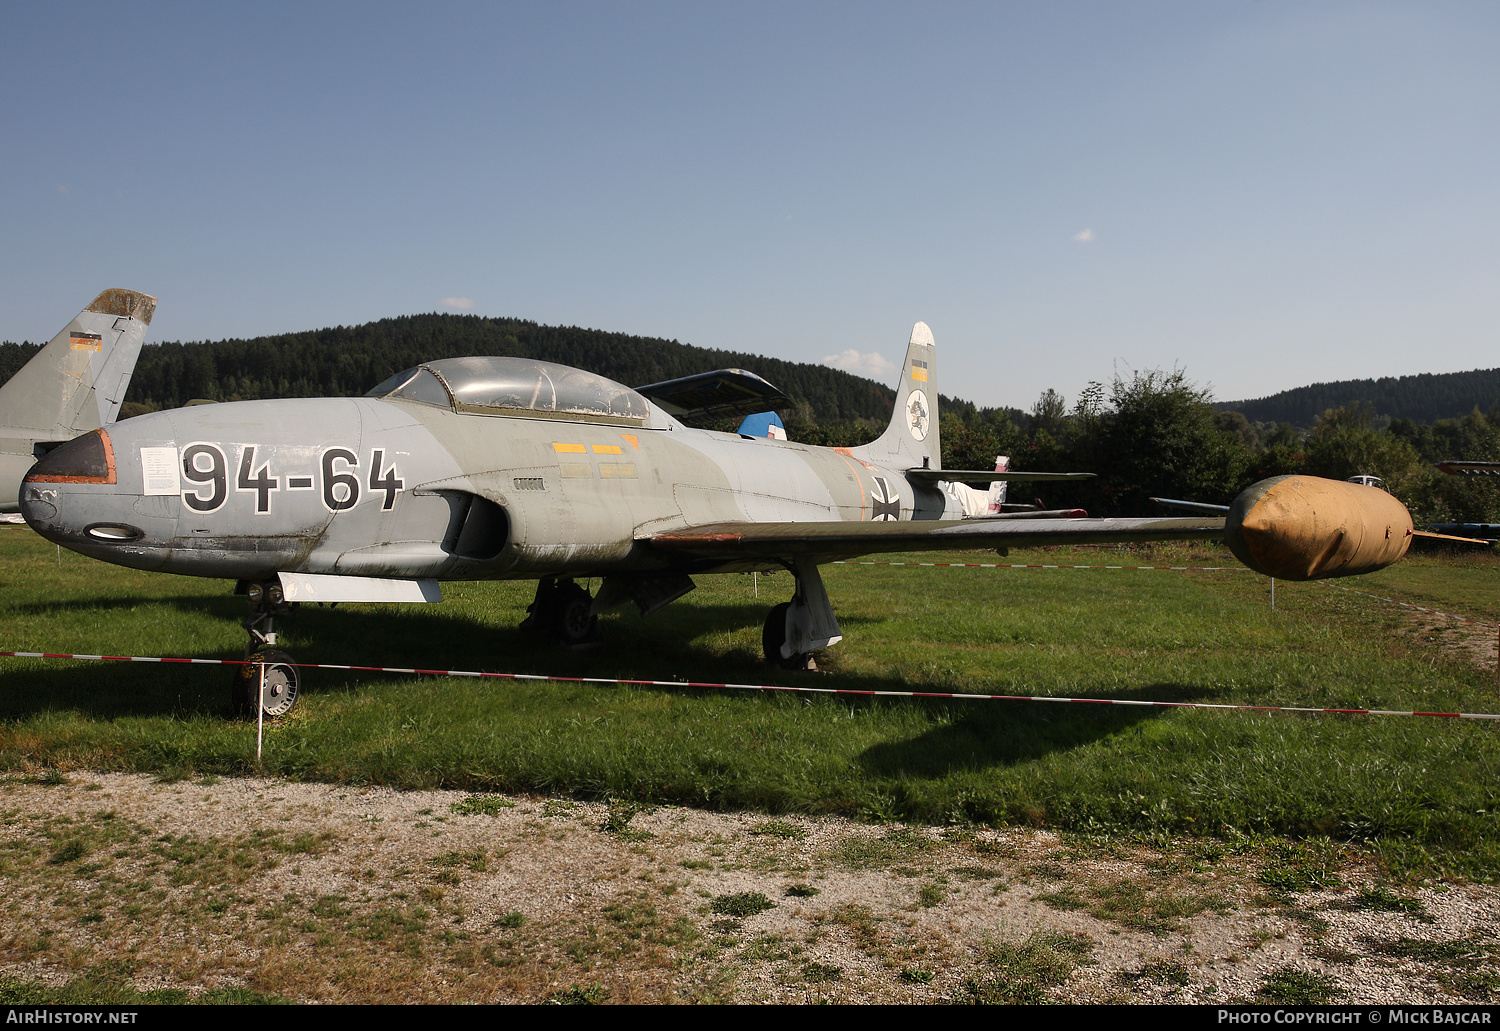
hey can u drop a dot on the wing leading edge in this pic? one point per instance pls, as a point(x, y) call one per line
point(733, 541)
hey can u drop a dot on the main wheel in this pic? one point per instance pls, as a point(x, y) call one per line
point(575, 624)
point(773, 634)
point(282, 684)
point(541, 613)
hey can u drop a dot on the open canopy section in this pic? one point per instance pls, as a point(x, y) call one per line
point(723, 392)
point(516, 386)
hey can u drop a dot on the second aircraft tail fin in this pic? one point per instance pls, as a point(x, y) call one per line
point(77, 381)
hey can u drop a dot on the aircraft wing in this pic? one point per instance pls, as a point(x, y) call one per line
point(733, 541)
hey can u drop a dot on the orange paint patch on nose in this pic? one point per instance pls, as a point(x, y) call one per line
point(630, 438)
point(86, 459)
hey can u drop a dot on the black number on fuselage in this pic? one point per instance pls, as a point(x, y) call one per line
point(216, 474)
point(390, 483)
point(333, 480)
point(260, 481)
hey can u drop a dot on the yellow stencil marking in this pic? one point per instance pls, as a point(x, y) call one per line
point(617, 472)
point(577, 471)
point(570, 449)
point(608, 449)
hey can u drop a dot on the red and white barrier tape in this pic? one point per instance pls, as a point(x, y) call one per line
point(954, 696)
point(1033, 565)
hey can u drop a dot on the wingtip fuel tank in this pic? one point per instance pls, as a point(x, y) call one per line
point(1309, 528)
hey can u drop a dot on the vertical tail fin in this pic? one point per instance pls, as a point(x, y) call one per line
point(912, 436)
point(78, 380)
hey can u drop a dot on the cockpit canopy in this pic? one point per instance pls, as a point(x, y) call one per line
point(516, 386)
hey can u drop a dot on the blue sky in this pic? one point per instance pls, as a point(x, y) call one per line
point(1266, 194)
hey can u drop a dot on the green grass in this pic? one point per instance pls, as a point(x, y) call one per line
point(743, 904)
point(109, 988)
point(1421, 791)
point(1021, 974)
point(1456, 582)
point(1294, 987)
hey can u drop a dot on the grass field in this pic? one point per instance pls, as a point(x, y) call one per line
point(1422, 793)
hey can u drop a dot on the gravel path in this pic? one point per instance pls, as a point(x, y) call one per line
point(328, 893)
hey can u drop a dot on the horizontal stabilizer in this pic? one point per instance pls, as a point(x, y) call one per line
point(1191, 506)
point(723, 392)
point(986, 476)
point(327, 587)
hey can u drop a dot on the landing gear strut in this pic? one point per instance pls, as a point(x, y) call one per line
point(797, 628)
point(277, 691)
point(562, 611)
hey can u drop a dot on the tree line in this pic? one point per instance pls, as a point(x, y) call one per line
point(1159, 434)
point(348, 360)
point(1423, 398)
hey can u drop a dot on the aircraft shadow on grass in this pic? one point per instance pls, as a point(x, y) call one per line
point(970, 735)
point(1004, 733)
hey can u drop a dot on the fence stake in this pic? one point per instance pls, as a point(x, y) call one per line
point(260, 712)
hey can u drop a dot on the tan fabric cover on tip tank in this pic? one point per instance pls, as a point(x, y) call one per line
point(1309, 528)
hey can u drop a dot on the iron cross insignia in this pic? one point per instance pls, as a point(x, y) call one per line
point(887, 502)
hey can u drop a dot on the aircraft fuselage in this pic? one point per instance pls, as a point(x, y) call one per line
point(401, 489)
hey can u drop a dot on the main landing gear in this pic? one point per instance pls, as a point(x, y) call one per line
point(797, 628)
point(276, 691)
point(563, 612)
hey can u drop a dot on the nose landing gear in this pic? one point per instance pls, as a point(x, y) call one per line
point(270, 679)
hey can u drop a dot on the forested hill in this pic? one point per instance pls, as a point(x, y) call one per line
point(348, 360)
point(1423, 399)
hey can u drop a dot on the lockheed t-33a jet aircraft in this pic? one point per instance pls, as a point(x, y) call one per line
point(510, 468)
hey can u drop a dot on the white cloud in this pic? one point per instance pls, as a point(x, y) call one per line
point(1086, 236)
point(873, 365)
point(457, 302)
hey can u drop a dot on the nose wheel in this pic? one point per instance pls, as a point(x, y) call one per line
point(275, 692)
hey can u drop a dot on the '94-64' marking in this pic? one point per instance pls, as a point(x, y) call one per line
point(207, 475)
